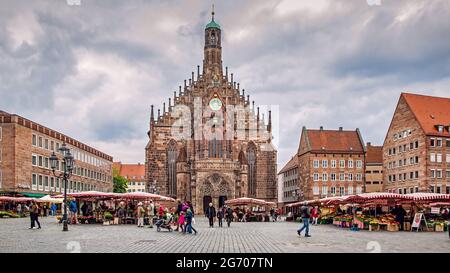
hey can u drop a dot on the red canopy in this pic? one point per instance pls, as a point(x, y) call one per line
point(144, 196)
point(428, 197)
point(89, 195)
point(15, 199)
point(96, 195)
point(373, 196)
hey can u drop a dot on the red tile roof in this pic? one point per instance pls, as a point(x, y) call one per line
point(130, 170)
point(335, 141)
point(429, 112)
point(374, 154)
point(290, 165)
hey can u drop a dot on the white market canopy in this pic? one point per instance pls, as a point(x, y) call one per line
point(49, 199)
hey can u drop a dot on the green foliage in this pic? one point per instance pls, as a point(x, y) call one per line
point(6, 214)
point(120, 184)
point(108, 216)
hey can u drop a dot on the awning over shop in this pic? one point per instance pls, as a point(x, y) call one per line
point(32, 195)
point(49, 199)
point(246, 201)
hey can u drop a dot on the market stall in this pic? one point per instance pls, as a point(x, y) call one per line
point(101, 207)
point(251, 209)
point(14, 207)
point(381, 210)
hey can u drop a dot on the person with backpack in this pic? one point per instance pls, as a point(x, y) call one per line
point(189, 217)
point(305, 219)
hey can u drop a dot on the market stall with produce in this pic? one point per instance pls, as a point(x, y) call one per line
point(14, 207)
point(251, 209)
point(99, 207)
point(382, 211)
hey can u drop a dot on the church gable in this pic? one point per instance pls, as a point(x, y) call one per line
point(210, 128)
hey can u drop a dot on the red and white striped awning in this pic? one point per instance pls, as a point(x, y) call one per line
point(96, 195)
point(371, 196)
point(246, 201)
point(427, 196)
point(144, 196)
point(88, 194)
point(440, 204)
point(15, 199)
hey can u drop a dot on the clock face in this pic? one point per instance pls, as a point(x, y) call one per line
point(215, 104)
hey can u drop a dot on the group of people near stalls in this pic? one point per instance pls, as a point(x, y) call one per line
point(237, 214)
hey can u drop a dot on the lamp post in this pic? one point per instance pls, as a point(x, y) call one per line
point(67, 160)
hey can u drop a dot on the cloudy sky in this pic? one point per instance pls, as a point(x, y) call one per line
point(92, 71)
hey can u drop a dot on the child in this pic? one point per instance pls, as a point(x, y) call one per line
point(181, 220)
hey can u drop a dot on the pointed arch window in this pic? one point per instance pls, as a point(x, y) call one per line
point(172, 168)
point(251, 157)
point(215, 148)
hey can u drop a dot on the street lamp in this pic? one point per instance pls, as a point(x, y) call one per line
point(67, 164)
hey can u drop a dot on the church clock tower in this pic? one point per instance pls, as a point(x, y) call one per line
point(212, 61)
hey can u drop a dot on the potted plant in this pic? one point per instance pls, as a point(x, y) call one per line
point(108, 218)
point(374, 225)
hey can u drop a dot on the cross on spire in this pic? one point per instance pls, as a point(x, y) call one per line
point(212, 12)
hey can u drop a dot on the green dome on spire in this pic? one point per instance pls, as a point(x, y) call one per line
point(213, 24)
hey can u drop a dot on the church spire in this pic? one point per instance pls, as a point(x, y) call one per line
point(212, 61)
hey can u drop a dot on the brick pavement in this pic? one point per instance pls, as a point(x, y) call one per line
point(240, 238)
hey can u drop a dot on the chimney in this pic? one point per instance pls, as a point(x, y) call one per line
point(340, 128)
point(369, 144)
point(321, 128)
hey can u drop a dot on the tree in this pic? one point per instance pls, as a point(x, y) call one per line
point(120, 183)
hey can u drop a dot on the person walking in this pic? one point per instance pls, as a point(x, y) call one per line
point(151, 213)
point(189, 217)
point(140, 215)
point(228, 215)
point(220, 216)
point(305, 219)
point(211, 213)
point(180, 222)
point(34, 216)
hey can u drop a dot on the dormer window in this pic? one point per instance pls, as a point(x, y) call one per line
point(440, 128)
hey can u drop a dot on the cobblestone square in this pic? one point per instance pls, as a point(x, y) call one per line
point(260, 237)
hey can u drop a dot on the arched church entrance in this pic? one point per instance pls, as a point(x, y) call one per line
point(215, 190)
